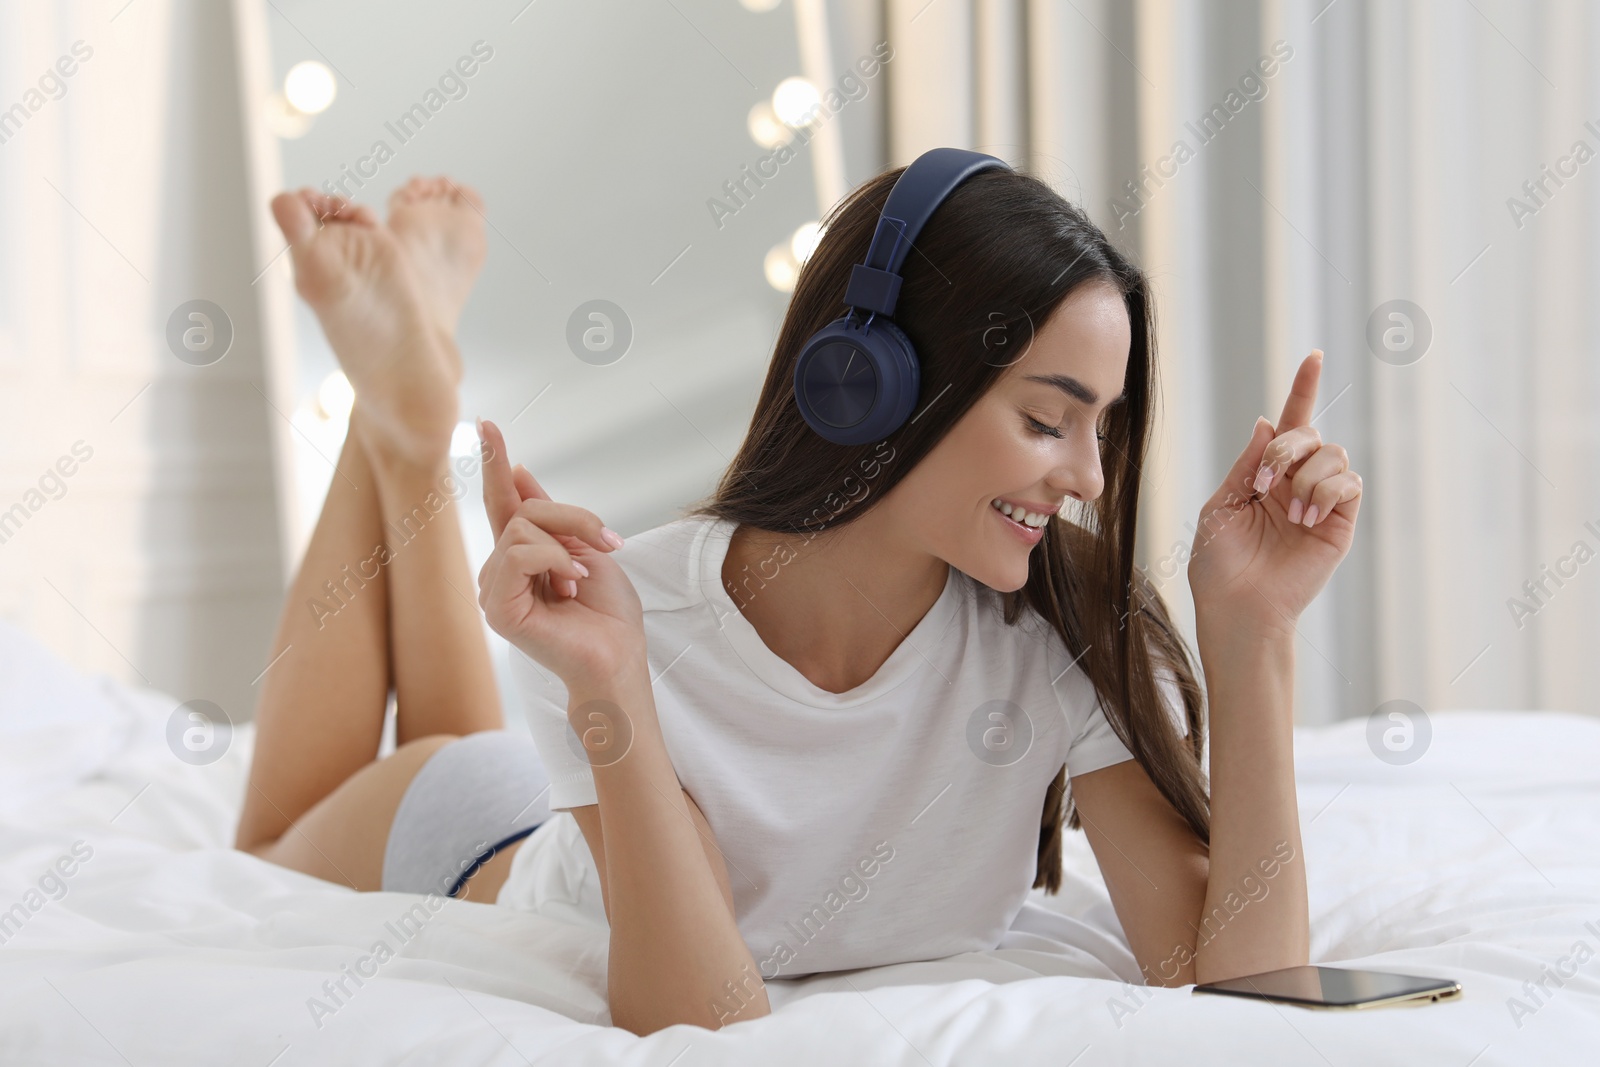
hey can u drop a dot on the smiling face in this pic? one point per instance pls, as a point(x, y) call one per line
point(1030, 440)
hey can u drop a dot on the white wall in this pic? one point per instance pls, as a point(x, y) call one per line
point(160, 561)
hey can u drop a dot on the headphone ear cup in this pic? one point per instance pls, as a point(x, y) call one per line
point(856, 385)
point(909, 371)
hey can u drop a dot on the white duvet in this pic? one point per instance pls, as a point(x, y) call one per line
point(133, 934)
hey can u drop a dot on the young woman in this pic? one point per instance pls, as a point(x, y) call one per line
point(827, 719)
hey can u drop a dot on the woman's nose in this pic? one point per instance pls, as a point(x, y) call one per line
point(1081, 477)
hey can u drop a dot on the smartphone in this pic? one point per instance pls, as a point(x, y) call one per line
point(1335, 987)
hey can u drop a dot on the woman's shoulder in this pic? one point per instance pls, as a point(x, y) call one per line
point(1066, 668)
point(664, 562)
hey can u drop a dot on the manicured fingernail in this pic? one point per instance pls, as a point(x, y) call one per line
point(581, 569)
point(480, 427)
point(612, 537)
point(1263, 479)
point(1311, 515)
point(1295, 509)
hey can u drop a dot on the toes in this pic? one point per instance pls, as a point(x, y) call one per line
point(295, 217)
point(403, 195)
point(339, 209)
point(330, 208)
point(421, 188)
point(416, 190)
point(324, 205)
point(467, 193)
point(438, 188)
point(458, 192)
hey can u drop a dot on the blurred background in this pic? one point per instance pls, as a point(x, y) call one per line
point(1408, 187)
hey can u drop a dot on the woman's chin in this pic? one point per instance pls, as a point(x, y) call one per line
point(1005, 579)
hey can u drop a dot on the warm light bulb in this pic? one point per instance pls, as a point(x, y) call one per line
point(335, 397)
point(464, 439)
point(795, 101)
point(284, 119)
point(759, 6)
point(310, 87)
point(765, 127)
point(781, 268)
point(805, 240)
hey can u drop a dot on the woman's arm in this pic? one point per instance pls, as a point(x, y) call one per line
point(676, 952)
point(587, 817)
point(1154, 866)
point(1255, 917)
point(1193, 914)
point(551, 588)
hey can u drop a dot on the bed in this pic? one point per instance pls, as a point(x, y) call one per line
point(163, 945)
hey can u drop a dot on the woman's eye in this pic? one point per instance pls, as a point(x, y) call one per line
point(1039, 427)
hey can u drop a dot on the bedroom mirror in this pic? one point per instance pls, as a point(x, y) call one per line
point(602, 157)
point(637, 265)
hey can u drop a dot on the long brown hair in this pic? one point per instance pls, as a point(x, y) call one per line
point(997, 257)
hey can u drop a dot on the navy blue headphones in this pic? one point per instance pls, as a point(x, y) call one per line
point(857, 382)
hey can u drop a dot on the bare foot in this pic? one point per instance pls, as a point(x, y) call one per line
point(440, 223)
point(359, 279)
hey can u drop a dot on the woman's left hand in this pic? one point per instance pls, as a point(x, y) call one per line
point(1267, 543)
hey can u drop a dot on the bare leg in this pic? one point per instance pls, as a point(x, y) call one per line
point(444, 682)
point(320, 718)
point(383, 591)
point(443, 679)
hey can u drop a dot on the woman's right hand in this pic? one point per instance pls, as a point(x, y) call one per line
point(533, 589)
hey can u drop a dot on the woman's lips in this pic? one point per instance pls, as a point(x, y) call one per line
point(1029, 534)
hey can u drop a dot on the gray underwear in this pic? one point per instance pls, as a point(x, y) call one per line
point(473, 797)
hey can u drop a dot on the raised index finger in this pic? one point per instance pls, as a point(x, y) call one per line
point(1298, 408)
point(500, 497)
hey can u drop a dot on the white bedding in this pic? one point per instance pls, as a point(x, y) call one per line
point(1479, 862)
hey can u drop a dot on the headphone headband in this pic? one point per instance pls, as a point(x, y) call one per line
point(917, 194)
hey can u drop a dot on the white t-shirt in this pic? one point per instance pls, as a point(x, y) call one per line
point(896, 821)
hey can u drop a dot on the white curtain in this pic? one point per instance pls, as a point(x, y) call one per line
point(126, 190)
point(1340, 156)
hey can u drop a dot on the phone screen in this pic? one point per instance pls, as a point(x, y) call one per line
point(1332, 986)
